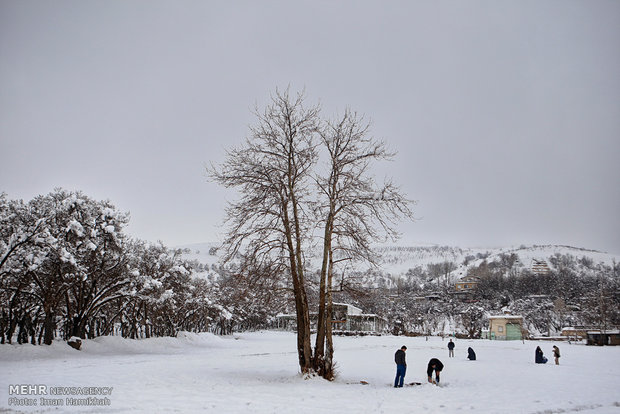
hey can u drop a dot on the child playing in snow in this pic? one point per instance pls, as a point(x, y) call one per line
point(556, 354)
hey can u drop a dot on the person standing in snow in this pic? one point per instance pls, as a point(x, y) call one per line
point(539, 357)
point(556, 354)
point(434, 365)
point(450, 349)
point(471, 355)
point(401, 367)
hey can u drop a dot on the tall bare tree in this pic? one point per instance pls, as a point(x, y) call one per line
point(356, 211)
point(272, 172)
point(277, 211)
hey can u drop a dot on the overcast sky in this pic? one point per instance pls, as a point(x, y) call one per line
point(505, 114)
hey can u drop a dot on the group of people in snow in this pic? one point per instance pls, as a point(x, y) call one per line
point(471, 355)
point(540, 358)
point(436, 366)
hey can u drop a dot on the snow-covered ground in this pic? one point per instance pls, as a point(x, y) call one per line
point(257, 373)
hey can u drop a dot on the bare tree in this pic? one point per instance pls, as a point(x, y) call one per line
point(272, 172)
point(355, 212)
point(274, 219)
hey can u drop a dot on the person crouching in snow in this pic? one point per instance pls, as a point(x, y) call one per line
point(539, 357)
point(471, 355)
point(434, 365)
point(556, 354)
point(401, 367)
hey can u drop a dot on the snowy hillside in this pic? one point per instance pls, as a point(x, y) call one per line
point(398, 260)
point(206, 253)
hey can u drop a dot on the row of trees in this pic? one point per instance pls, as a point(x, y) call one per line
point(304, 181)
point(66, 266)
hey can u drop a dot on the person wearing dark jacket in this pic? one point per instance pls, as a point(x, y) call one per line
point(471, 355)
point(434, 365)
point(401, 367)
point(450, 349)
point(539, 357)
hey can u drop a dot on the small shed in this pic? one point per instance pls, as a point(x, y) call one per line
point(506, 327)
point(345, 318)
point(604, 337)
point(349, 318)
point(575, 332)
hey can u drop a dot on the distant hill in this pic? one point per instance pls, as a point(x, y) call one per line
point(397, 260)
point(414, 286)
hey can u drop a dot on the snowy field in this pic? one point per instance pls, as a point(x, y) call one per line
point(257, 373)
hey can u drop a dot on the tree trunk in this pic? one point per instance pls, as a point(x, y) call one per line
point(22, 334)
point(305, 311)
point(304, 349)
point(12, 320)
point(328, 368)
point(319, 349)
point(79, 327)
point(3, 325)
point(48, 326)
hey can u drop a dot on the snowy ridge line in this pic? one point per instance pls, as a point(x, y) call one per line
point(407, 263)
point(400, 258)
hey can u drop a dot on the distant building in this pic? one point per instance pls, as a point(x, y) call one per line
point(345, 319)
point(539, 298)
point(506, 327)
point(575, 333)
point(539, 267)
point(467, 283)
point(604, 337)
